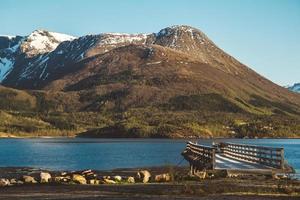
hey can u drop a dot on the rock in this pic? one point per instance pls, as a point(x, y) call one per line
point(108, 181)
point(13, 181)
point(20, 182)
point(130, 179)
point(89, 174)
point(91, 182)
point(79, 179)
point(145, 175)
point(45, 177)
point(163, 178)
point(66, 180)
point(29, 179)
point(58, 179)
point(275, 176)
point(106, 177)
point(201, 174)
point(118, 178)
point(94, 182)
point(282, 176)
point(87, 171)
point(4, 182)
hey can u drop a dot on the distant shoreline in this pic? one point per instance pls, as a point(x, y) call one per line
point(8, 136)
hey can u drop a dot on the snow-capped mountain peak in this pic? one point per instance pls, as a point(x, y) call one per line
point(295, 87)
point(42, 41)
point(37, 43)
point(42, 56)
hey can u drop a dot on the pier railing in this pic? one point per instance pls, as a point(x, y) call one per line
point(199, 156)
point(269, 156)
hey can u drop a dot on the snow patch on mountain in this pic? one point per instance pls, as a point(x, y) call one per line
point(5, 67)
point(295, 87)
point(117, 38)
point(41, 41)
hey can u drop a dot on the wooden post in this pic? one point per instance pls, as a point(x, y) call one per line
point(191, 169)
point(282, 159)
point(213, 157)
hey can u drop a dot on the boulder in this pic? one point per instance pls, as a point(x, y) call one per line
point(118, 178)
point(79, 179)
point(13, 181)
point(93, 182)
point(130, 179)
point(29, 179)
point(66, 179)
point(144, 175)
point(4, 182)
point(61, 179)
point(45, 177)
point(58, 179)
point(163, 178)
point(108, 181)
point(20, 182)
point(63, 173)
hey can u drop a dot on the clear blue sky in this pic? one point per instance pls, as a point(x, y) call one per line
point(263, 34)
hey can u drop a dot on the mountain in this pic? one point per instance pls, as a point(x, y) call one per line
point(173, 83)
point(42, 56)
point(295, 87)
point(18, 50)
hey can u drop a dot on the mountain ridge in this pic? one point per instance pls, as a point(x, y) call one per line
point(104, 42)
point(173, 83)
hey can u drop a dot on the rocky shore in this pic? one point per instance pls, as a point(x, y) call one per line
point(18, 176)
point(149, 183)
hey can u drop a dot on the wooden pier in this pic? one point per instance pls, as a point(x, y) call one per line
point(238, 157)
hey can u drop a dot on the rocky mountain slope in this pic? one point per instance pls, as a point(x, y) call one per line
point(174, 83)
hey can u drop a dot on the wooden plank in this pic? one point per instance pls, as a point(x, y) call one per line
point(253, 146)
point(265, 155)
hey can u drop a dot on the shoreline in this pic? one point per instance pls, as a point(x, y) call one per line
point(11, 136)
point(181, 187)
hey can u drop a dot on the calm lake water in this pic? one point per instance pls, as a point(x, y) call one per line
point(104, 154)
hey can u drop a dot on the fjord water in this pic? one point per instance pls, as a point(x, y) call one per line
point(105, 154)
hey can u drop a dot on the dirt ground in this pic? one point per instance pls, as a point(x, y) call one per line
point(123, 192)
